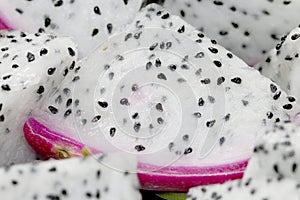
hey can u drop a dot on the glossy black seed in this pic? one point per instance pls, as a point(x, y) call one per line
point(200, 102)
point(97, 10)
point(160, 120)
point(19, 10)
point(58, 3)
point(53, 110)
point(43, 51)
point(291, 99)
point(40, 90)
point(288, 106)
point(236, 80)
point(112, 132)
point(124, 101)
point(199, 55)
point(159, 107)
point(71, 51)
point(220, 80)
point(5, 87)
point(51, 71)
point(181, 30)
point(295, 36)
point(95, 32)
point(210, 124)
point(2, 118)
point(96, 118)
point(137, 126)
point(139, 148)
point(218, 63)
point(273, 88)
point(47, 22)
point(188, 150)
point(30, 57)
point(269, 115)
point(277, 95)
point(161, 76)
point(172, 67)
point(109, 28)
point(205, 81)
point(103, 104)
point(67, 113)
point(213, 50)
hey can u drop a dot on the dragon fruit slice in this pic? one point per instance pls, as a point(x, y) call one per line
point(281, 64)
point(77, 178)
point(274, 167)
point(30, 66)
point(161, 89)
point(248, 29)
point(89, 22)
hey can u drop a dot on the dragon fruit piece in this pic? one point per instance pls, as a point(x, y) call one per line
point(273, 167)
point(281, 63)
point(183, 100)
point(76, 178)
point(247, 29)
point(30, 66)
point(89, 23)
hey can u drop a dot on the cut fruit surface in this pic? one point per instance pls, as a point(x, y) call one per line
point(164, 91)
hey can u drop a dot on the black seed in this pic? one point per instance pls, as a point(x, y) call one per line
point(135, 116)
point(58, 3)
point(30, 57)
point(14, 66)
point(137, 126)
point(40, 90)
point(159, 107)
point(95, 32)
point(269, 115)
point(139, 148)
point(161, 76)
point(273, 88)
point(181, 30)
point(221, 141)
point(197, 114)
point(109, 28)
point(218, 63)
point(19, 10)
point(205, 81)
point(43, 51)
point(96, 118)
point(295, 36)
point(291, 99)
point(165, 16)
point(5, 87)
point(69, 102)
point(52, 169)
point(76, 78)
point(47, 22)
point(51, 71)
point(200, 102)
point(275, 167)
point(199, 55)
point(294, 167)
point(236, 80)
point(277, 95)
point(185, 137)
point(124, 101)
point(157, 62)
point(220, 80)
point(67, 113)
point(160, 120)
point(210, 124)
point(188, 150)
point(14, 182)
point(2, 118)
point(148, 65)
point(52, 109)
point(213, 50)
point(97, 10)
point(71, 51)
point(103, 104)
point(287, 106)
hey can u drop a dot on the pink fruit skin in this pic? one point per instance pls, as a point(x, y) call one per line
point(3, 24)
point(170, 179)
